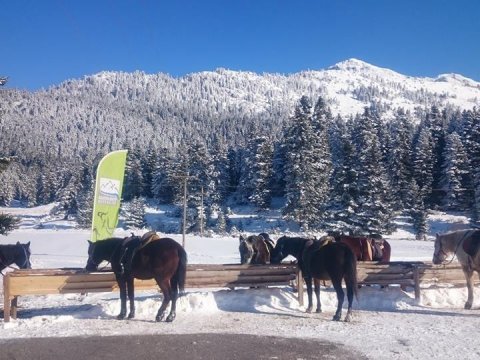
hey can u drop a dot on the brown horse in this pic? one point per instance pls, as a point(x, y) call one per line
point(163, 260)
point(465, 245)
point(372, 248)
point(254, 250)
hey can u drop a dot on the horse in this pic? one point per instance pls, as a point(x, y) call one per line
point(372, 248)
point(322, 260)
point(465, 245)
point(162, 259)
point(18, 254)
point(254, 250)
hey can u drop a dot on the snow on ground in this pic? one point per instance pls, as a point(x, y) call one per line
point(388, 323)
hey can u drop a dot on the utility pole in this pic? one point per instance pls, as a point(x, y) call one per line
point(184, 209)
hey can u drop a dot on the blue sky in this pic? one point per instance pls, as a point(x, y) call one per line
point(45, 42)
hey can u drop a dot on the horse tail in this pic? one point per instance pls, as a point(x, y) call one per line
point(351, 271)
point(180, 276)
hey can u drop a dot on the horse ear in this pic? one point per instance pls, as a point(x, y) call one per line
point(89, 242)
point(18, 242)
point(28, 244)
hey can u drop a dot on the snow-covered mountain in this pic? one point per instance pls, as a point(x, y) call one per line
point(120, 108)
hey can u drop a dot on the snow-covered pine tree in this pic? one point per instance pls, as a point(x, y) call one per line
point(418, 212)
point(457, 181)
point(134, 213)
point(344, 194)
point(134, 184)
point(471, 139)
point(374, 214)
point(423, 164)
point(400, 159)
point(437, 123)
point(256, 174)
point(308, 157)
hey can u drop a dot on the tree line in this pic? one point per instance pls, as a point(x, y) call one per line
point(350, 174)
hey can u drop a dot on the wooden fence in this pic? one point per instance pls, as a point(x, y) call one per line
point(61, 281)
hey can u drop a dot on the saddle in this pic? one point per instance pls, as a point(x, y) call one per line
point(471, 244)
point(147, 238)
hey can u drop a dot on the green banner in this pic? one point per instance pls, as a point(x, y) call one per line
point(108, 193)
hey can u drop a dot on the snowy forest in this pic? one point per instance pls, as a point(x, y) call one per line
point(242, 138)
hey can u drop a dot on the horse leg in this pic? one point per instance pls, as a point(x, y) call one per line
point(316, 282)
point(308, 281)
point(173, 308)
point(337, 284)
point(468, 276)
point(166, 291)
point(123, 296)
point(131, 296)
point(350, 292)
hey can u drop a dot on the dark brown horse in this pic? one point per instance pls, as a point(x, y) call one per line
point(322, 260)
point(365, 248)
point(18, 254)
point(163, 260)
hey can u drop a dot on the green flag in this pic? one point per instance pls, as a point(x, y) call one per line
point(108, 192)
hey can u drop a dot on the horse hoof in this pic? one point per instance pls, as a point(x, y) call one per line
point(468, 306)
point(121, 317)
point(309, 310)
point(319, 311)
point(348, 318)
point(336, 318)
point(170, 318)
point(131, 316)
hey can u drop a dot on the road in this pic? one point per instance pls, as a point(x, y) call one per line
point(179, 347)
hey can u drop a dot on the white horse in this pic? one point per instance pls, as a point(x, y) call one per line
point(465, 245)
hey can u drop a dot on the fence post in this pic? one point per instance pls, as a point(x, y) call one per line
point(416, 281)
point(300, 286)
point(6, 297)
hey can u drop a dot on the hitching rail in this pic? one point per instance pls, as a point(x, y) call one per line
point(62, 281)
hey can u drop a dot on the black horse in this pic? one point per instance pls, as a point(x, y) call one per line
point(18, 254)
point(162, 259)
point(322, 260)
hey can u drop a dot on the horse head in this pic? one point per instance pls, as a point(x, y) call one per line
point(94, 258)
point(279, 251)
point(439, 254)
point(22, 256)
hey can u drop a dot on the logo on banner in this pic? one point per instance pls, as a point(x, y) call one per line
point(109, 193)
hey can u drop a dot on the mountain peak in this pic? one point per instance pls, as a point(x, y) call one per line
point(350, 64)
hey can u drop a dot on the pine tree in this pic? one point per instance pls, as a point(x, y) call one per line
point(374, 214)
point(134, 213)
point(134, 184)
point(344, 195)
point(418, 213)
point(457, 181)
point(423, 164)
point(307, 166)
point(400, 160)
point(257, 171)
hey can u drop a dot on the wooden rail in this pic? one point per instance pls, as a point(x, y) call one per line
point(63, 281)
